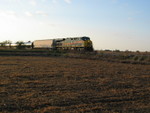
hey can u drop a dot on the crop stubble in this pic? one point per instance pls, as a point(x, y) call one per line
point(55, 84)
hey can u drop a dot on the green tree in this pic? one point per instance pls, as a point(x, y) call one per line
point(4, 43)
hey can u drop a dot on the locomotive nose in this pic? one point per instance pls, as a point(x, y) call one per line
point(88, 43)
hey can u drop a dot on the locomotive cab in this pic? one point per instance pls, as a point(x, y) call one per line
point(85, 38)
point(87, 43)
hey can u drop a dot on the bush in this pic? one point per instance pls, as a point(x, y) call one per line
point(20, 45)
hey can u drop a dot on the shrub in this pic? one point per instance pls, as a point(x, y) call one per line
point(20, 45)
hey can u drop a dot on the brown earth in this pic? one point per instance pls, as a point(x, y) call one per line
point(69, 85)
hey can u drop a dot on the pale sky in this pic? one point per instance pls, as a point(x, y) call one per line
point(111, 24)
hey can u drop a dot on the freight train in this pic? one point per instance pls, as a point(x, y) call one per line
point(74, 43)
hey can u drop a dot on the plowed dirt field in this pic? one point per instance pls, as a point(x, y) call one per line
point(68, 85)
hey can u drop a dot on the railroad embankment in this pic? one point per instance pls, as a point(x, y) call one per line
point(111, 56)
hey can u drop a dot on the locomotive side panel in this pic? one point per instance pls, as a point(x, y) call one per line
point(73, 43)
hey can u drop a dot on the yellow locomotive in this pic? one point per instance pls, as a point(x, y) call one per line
point(74, 43)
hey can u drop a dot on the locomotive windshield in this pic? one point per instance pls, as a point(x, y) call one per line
point(85, 38)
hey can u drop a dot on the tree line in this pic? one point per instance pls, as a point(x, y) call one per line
point(17, 45)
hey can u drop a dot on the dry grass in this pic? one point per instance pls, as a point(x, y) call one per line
point(68, 85)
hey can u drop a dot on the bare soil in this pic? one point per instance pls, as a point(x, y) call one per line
point(68, 85)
